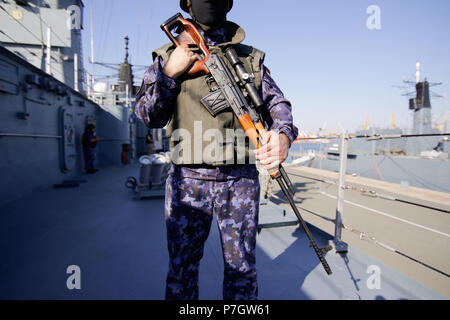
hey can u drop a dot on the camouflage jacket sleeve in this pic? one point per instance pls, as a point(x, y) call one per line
point(155, 100)
point(277, 112)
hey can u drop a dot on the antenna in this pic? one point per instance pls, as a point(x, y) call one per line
point(409, 86)
point(75, 71)
point(48, 67)
point(92, 34)
point(418, 72)
point(126, 48)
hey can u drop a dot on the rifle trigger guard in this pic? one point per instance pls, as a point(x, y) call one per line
point(211, 83)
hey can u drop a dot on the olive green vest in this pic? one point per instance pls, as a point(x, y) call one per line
point(196, 136)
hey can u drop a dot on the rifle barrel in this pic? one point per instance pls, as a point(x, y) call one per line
point(286, 179)
point(304, 226)
point(254, 110)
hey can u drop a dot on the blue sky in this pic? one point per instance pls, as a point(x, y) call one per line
point(334, 70)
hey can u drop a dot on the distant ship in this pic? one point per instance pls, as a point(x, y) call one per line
point(420, 160)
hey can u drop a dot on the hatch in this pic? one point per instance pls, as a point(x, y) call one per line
point(68, 143)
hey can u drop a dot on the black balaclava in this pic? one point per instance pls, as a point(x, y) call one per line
point(210, 14)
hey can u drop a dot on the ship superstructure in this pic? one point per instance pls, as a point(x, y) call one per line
point(47, 34)
point(46, 104)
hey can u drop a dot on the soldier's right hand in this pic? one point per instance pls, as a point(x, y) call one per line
point(179, 62)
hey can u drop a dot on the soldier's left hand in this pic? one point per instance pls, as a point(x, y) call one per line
point(274, 150)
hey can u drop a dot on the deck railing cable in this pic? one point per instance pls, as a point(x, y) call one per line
point(340, 246)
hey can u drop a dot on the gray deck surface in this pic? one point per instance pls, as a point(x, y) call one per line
point(419, 232)
point(119, 242)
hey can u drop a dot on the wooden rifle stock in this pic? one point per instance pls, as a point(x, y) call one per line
point(189, 35)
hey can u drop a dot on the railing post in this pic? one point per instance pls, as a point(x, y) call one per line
point(321, 155)
point(341, 246)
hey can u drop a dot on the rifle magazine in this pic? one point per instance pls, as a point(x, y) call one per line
point(215, 103)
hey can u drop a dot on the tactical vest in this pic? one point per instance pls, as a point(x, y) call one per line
point(196, 136)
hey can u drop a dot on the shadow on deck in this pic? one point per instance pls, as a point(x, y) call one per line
point(119, 243)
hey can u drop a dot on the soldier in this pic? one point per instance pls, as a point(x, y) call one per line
point(89, 143)
point(198, 185)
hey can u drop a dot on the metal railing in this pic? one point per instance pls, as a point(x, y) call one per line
point(35, 136)
point(339, 245)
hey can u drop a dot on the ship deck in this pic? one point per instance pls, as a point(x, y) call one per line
point(119, 243)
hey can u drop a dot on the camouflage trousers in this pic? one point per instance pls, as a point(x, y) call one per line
point(192, 197)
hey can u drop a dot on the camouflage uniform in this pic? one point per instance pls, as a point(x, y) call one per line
point(192, 197)
point(195, 193)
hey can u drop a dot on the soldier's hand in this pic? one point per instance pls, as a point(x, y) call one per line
point(179, 62)
point(274, 151)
